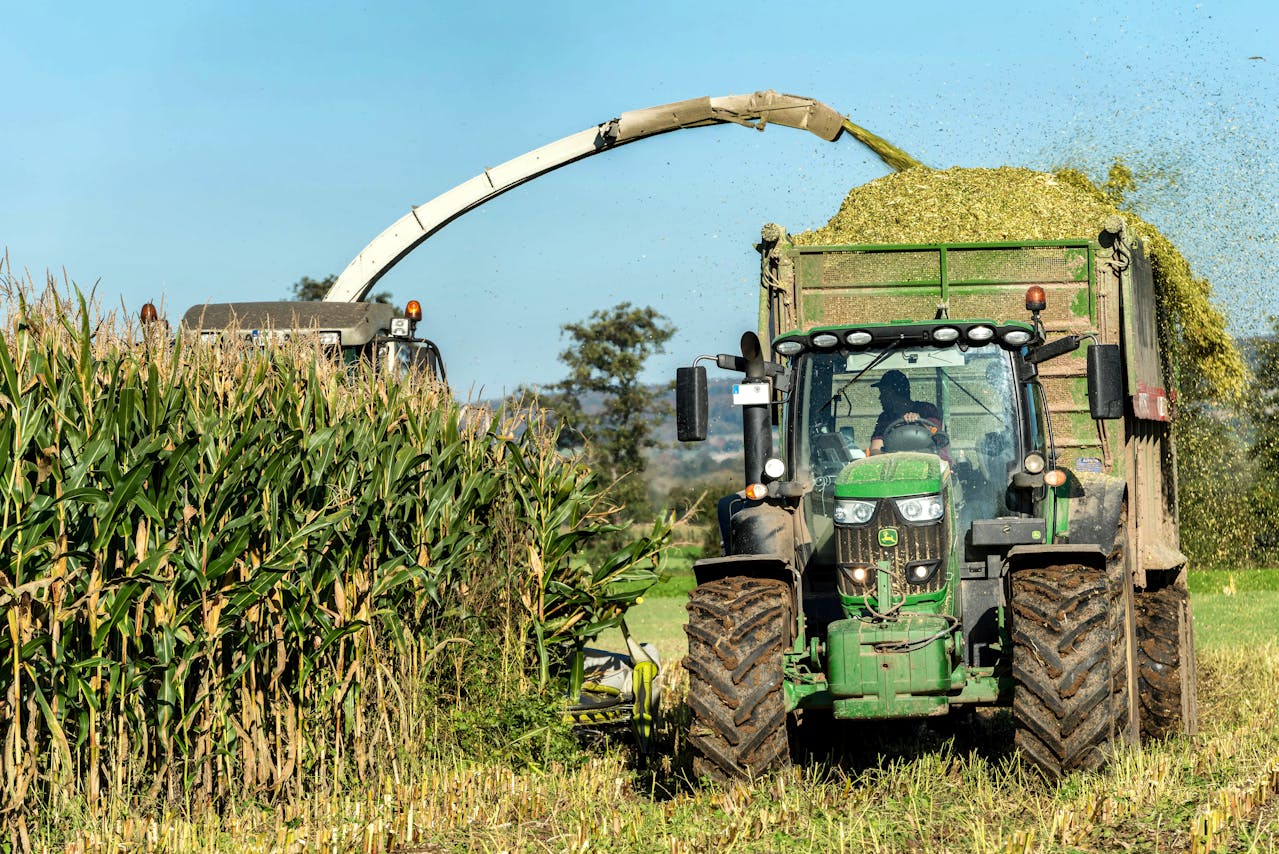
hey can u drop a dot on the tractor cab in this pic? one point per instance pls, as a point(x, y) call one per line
point(907, 421)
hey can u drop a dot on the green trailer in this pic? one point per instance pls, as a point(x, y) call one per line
point(973, 502)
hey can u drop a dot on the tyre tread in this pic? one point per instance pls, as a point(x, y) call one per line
point(737, 634)
point(1064, 662)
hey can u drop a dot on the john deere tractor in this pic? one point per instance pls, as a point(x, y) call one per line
point(971, 506)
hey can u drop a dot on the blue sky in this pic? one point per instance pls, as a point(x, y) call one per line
point(219, 151)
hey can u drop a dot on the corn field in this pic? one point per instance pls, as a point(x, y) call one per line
point(216, 562)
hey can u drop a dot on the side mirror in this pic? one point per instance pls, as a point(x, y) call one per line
point(1105, 381)
point(690, 404)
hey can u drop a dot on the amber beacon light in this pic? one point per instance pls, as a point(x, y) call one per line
point(1035, 299)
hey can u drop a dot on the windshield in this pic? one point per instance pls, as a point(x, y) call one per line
point(961, 403)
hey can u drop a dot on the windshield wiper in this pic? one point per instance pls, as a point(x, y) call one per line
point(874, 363)
point(954, 384)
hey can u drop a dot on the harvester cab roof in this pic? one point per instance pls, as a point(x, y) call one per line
point(356, 330)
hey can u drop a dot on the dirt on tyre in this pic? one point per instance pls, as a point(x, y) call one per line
point(1123, 649)
point(738, 630)
point(1166, 663)
point(1066, 671)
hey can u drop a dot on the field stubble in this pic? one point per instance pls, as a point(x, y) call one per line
point(899, 787)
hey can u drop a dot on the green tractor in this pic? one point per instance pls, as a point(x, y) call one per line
point(973, 506)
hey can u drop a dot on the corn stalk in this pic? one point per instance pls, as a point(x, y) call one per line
point(207, 554)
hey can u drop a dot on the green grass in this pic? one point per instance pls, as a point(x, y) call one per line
point(679, 569)
point(1235, 608)
point(660, 616)
point(1243, 580)
point(656, 621)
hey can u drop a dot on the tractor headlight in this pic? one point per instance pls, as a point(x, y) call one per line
point(921, 572)
point(980, 334)
point(1016, 337)
point(789, 348)
point(921, 508)
point(855, 579)
point(946, 334)
point(853, 512)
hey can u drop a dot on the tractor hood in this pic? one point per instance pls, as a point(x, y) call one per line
point(892, 476)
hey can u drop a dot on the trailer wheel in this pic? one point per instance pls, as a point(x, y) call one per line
point(738, 629)
point(1166, 663)
point(1123, 646)
point(1064, 667)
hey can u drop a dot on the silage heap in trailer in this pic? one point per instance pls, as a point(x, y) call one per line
point(963, 205)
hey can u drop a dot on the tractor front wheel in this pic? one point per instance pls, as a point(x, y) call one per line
point(738, 629)
point(1070, 683)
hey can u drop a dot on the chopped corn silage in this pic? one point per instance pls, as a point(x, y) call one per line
point(959, 205)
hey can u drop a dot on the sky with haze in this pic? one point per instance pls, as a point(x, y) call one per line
point(195, 152)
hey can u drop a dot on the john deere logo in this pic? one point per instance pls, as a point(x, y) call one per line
point(888, 537)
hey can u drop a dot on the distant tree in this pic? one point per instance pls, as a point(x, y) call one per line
point(306, 289)
point(1228, 463)
point(695, 502)
point(602, 406)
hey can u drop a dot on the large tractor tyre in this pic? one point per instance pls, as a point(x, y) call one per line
point(1166, 663)
point(1123, 646)
point(738, 630)
point(1064, 662)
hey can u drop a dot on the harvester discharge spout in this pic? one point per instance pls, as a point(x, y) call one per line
point(407, 233)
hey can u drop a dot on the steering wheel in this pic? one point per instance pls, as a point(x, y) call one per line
point(903, 435)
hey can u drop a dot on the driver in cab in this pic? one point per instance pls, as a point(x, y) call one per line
point(894, 396)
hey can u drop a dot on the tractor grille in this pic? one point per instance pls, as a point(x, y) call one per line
point(859, 546)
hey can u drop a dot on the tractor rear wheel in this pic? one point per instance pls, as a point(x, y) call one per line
point(1070, 680)
point(1123, 645)
point(738, 629)
point(1166, 663)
